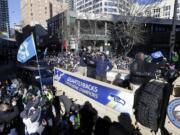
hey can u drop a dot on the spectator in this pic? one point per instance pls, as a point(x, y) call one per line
point(175, 59)
point(7, 115)
point(88, 117)
point(140, 72)
point(91, 67)
point(82, 65)
point(102, 126)
point(103, 65)
point(34, 127)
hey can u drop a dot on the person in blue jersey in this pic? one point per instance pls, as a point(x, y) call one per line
point(103, 65)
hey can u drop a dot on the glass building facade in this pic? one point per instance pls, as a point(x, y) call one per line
point(4, 16)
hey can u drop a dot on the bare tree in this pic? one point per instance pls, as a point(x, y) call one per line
point(91, 25)
point(129, 30)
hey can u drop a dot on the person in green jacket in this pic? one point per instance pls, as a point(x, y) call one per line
point(175, 59)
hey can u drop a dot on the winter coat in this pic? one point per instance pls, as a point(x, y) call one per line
point(6, 117)
point(141, 72)
point(82, 59)
point(103, 66)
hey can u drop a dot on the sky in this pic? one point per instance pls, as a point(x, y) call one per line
point(14, 12)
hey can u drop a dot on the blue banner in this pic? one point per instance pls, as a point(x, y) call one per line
point(118, 100)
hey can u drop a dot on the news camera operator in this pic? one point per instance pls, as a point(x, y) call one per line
point(8, 113)
point(140, 71)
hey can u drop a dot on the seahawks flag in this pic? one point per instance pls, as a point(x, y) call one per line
point(157, 55)
point(26, 50)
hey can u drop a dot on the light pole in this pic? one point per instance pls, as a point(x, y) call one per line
point(173, 31)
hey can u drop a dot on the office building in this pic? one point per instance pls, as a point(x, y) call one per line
point(77, 30)
point(102, 6)
point(38, 11)
point(4, 17)
point(70, 4)
point(163, 9)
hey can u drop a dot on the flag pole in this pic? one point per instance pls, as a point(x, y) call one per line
point(37, 63)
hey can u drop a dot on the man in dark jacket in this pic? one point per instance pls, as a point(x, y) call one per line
point(103, 65)
point(140, 71)
point(91, 67)
point(82, 65)
point(88, 117)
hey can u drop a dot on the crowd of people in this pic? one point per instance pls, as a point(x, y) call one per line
point(96, 64)
point(67, 61)
point(143, 69)
point(27, 110)
point(90, 63)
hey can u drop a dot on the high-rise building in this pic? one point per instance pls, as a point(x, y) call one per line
point(38, 11)
point(70, 4)
point(102, 6)
point(163, 9)
point(4, 16)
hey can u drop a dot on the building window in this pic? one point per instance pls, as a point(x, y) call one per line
point(156, 16)
point(110, 4)
point(97, 5)
point(156, 13)
point(178, 5)
point(157, 10)
point(166, 8)
point(96, 1)
point(110, 10)
point(50, 10)
point(147, 13)
point(178, 10)
point(88, 4)
point(178, 16)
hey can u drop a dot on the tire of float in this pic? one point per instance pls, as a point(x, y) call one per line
point(66, 102)
point(150, 103)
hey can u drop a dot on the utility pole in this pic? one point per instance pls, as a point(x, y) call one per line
point(173, 31)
